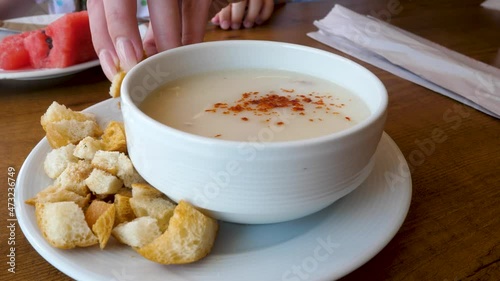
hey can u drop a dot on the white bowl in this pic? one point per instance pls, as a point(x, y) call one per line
point(240, 181)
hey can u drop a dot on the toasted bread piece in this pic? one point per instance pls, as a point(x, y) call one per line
point(189, 237)
point(124, 212)
point(57, 112)
point(145, 190)
point(138, 232)
point(101, 182)
point(86, 148)
point(126, 171)
point(55, 193)
point(118, 164)
point(125, 191)
point(64, 126)
point(63, 132)
point(159, 208)
point(73, 177)
point(113, 138)
point(57, 160)
point(106, 161)
point(100, 217)
point(63, 225)
point(114, 90)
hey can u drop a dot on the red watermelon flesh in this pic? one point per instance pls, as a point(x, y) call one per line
point(13, 55)
point(65, 42)
point(37, 45)
point(71, 40)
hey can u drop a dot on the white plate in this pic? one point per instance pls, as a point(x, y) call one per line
point(324, 246)
point(47, 73)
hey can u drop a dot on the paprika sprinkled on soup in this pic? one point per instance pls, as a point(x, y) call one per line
point(255, 105)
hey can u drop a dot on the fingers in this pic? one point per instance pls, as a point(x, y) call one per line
point(216, 19)
point(254, 7)
point(103, 44)
point(116, 37)
point(149, 43)
point(225, 17)
point(123, 31)
point(166, 22)
point(237, 14)
point(247, 12)
point(194, 20)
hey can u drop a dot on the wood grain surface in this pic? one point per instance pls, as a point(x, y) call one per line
point(452, 231)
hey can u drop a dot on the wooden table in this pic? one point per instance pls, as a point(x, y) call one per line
point(452, 231)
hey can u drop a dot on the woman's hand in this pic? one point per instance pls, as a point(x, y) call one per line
point(248, 13)
point(116, 37)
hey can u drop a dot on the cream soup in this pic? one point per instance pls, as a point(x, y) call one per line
point(255, 105)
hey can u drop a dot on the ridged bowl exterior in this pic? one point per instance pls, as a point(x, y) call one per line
point(252, 182)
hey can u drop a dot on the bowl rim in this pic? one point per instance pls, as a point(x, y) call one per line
point(126, 99)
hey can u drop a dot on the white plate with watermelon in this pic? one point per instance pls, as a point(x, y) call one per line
point(62, 48)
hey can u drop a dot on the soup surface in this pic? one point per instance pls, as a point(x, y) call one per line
point(255, 105)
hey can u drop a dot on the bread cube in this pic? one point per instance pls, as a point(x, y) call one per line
point(57, 112)
point(137, 233)
point(145, 190)
point(126, 171)
point(86, 148)
point(57, 160)
point(73, 177)
point(113, 138)
point(56, 193)
point(63, 225)
point(102, 182)
point(159, 208)
point(190, 236)
point(124, 212)
point(106, 161)
point(100, 216)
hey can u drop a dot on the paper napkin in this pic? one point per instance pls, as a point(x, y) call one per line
point(416, 59)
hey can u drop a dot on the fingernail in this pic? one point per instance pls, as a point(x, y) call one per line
point(224, 24)
point(258, 21)
point(108, 64)
point(126, 53)
point(248, 24)
point(235, 26)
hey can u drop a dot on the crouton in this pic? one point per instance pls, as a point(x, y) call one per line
point(138, 232)
point(57, 160)
point(56, 193)
point(73, 177)
point(124, 212)
point(189, 237)
point(64, 126)
point(86, 148)
point(159, 208)
point(126, 171)
point(145, 190)
point(63, 225)
point(113, 138)
point(106, 161)
point(100, 217)
point(114, 90)
point(101, 182)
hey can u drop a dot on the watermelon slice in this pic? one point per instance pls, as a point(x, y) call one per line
point(13, 55)
point(71, 40)
point(65, 42)
point(37, 45)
